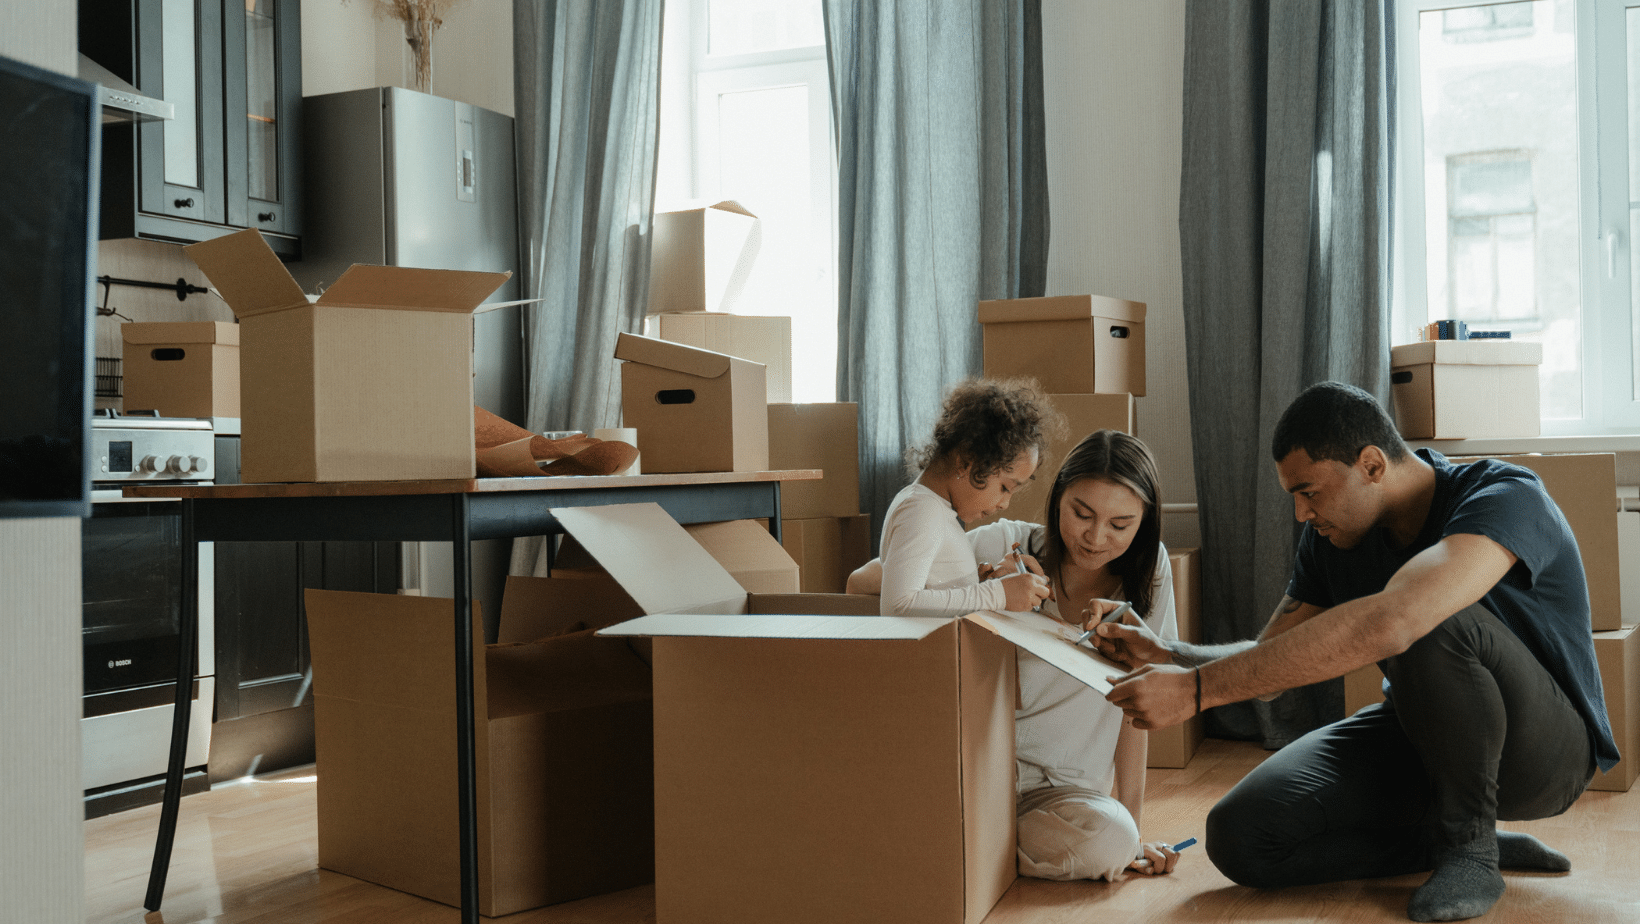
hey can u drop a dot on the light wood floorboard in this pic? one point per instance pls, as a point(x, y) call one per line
point(246, 854)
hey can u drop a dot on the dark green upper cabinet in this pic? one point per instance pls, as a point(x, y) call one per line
point(229, 159)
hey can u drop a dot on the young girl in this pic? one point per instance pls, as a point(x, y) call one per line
point(987, 443)
point(1081, 767)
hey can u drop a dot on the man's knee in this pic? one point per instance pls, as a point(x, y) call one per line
point(1233, 838)
point(1076, 835)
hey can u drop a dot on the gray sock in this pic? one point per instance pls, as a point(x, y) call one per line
point(1523, 851)
point(1465, 884)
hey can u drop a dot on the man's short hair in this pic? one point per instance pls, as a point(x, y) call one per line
point(1334, 421)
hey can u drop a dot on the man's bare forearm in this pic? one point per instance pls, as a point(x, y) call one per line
point(1187, 655)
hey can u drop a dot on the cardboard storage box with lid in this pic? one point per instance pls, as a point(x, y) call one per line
point(766, 340)
point(1071, 344)
point(694, 410)
point(1460, 389)
point(181, 368)
point(371, 381)
point(817, 768)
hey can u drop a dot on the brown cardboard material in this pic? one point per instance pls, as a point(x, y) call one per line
point(752, 556)
point(1628, 566)
point(822, 436)
point(1083, 415)
point(766, 340)
point(798, 755)
point(700, 257)
point(373, 381)
point(827, 549)
point(1363, 687)
point(1071, 344)
point(1618, 654)
point(1459, 389)
point(564, 756)
point(694, 410)
point(181, 368)
point(1173, 747)
point(1584, 486)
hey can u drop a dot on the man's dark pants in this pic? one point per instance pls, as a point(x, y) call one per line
point(1475, 730)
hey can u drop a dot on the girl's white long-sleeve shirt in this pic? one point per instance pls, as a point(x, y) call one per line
point(928, 563)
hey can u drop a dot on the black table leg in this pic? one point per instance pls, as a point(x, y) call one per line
point(466, 760)
point(187, 650)
point(774, 521)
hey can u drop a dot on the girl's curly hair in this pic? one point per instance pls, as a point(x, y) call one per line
point(987, 424)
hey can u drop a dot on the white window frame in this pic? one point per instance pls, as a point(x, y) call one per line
point(1608, 350)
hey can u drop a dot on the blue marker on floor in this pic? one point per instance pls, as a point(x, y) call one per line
point(1180, 846)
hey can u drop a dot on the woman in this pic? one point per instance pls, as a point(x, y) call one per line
point(1081, 767)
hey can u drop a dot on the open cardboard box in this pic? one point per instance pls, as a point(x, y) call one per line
point(701, 257)
point(817, 768)
point(373, 381)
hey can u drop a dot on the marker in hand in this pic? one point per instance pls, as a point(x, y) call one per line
point(1112, 616)
point(1019, 568)
point(1177, 848)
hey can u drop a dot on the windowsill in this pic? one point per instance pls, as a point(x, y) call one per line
point(1501, 445)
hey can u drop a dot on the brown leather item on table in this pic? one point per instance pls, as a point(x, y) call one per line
point(569, 456)
point(605, 458)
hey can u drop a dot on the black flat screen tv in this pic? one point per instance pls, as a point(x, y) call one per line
point(49, 176)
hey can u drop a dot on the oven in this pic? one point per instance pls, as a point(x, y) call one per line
point(131, 567)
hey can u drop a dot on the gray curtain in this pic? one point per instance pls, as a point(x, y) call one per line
point(1284, 229)
point(587, 82)
point(942, 202)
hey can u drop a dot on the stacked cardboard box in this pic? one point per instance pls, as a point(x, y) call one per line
point(1584, 486)
point(1173, 747)
point(1457, 389)
point(821, 525)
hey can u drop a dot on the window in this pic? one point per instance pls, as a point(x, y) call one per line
point(747, 116)
point(1513, 191)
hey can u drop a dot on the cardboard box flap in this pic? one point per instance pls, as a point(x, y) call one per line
point(1060, 308)
point(1048, 639)
point(677, 357)
point(411, 288)
point(653, 559)
point(1467, 353)
point(730, 205)
point(755, 559)
point(246, 273)
point(696, 625)
point(181, 332)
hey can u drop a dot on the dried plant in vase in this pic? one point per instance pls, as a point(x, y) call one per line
point(420, 18)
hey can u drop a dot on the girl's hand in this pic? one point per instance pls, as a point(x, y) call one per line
point(1155, 859)
point(1025, 591)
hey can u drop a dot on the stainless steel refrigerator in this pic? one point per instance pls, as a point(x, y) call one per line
point(399, 178)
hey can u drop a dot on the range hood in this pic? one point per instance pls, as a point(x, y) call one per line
point(122, 102)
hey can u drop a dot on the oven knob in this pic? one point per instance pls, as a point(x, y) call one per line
point(149, 464)
point(178, 465)
point(199, 464)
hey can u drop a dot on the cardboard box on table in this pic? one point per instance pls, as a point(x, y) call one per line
point(1458, 389)
point(700, 257)
point(1584, 487)
point(1071, 344)
point(766, 340)
point(181, 368)
point(1083, 415)
point(694, 410)
point(373, 381)
point(819, 768)
point(1173, 747)
point(563, 729)
point(825, 436)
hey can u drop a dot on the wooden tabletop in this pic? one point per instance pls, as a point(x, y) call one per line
point(460, 485)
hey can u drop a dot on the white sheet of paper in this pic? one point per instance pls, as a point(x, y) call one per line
point(1053, 642)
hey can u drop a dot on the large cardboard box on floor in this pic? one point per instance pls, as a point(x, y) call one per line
point(820, 768)
point(1083, 415)
point(823, 436)
point(1584, 487)
point(694, 410)
point(563, 729)
point(1458, 389)
point(181, 368)
point(701, 257)
point(827, 549)
point(1618, 653)
point(373, 381)
point(766, 340)
point(1071, 344)
point(1173, 747)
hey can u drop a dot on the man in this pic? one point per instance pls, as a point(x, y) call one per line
point(1464, 584)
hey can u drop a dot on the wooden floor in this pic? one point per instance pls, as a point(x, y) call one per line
point(245, 854)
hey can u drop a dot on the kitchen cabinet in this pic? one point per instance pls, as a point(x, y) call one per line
point(230, 157)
